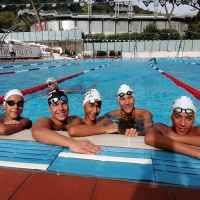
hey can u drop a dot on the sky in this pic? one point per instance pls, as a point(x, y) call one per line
point(181, 9)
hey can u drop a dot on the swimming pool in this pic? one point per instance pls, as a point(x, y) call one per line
point(152, 90)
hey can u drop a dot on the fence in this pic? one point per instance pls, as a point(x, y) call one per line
point(45, 35)
point(143, 46)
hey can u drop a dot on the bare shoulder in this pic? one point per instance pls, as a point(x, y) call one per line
point(74, 120)
point(43, 122)
point(1, 120)
point(27, 122)
point(114, 114)
point(140, 112)
point(196, 130)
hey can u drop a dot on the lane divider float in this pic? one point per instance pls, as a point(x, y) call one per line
point(43, 86)
point(40, 63)
point(41, 68)
point(190, 89)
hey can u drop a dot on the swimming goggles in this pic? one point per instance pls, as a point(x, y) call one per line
point(122, 94)
point(56, 100)
point(92, 102)
point(12, 103)
point(180, 110)
point(50, 83)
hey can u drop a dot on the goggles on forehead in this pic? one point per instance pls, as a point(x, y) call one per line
point(56, 100)
point(122, 94)
point(180, 110)
point(12, 103)
point(92, 101)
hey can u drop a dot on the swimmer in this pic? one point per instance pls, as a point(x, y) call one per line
point(52, 85)
point(182, 137)
point(44, 129)
point(154, 59)
point(132, 121)
point(92, 106)
point(13, 122)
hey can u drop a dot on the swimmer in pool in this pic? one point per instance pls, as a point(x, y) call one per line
point(52, 85)
point(182, 137)
point(13, 122)
point(92, 102)
point(154, 59)
point(132, 121)
point(44, 129)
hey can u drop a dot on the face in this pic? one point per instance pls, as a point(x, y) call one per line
point(59, 110)
point(127, 103)
point(52, 86)
point(92, 110)
point(13, 112)
point(182, 122)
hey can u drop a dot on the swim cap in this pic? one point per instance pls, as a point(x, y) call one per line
point(51, 80)
point(12, 92)
point(92, 94)
point(57, 93)
point(184, 102)
point(124, 89)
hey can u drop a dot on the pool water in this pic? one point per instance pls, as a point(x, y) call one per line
point(152, 90)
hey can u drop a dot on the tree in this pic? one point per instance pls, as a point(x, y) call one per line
point(7, 20)
point(37, 15)
point(169, 14)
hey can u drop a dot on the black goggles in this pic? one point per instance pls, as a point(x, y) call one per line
point(12, 103)
point(50, 83)
point(92, 102)
point(56, 100)
point(122, 94)
point(180, 110)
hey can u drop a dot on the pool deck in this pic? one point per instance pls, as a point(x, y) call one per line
point(126, 169)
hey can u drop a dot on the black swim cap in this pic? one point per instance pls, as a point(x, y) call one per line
point(58, 94)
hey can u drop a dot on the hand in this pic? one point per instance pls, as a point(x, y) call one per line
point(12, 122)
point(165, 130)
point(112, 128)
point(131, 132)
point(84, 146)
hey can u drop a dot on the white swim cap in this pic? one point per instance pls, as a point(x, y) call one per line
point(51, 80)
point(124, 89)
point(92, 94)
point(184, 102)
point(12, 92)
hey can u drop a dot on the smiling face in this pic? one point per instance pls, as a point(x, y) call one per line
point(127, 103)
point(59, 111)
point(92, 110)
point(182, 123)
point(13, 112)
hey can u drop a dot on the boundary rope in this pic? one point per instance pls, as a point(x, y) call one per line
point(193, 91)
point(43, 86)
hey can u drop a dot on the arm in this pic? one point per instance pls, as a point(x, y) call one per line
point(193, 139)
point(43, 93)
point(86, 130)
point(154, 137)
point(41, 132)
point(148, 122)
point(15, 126)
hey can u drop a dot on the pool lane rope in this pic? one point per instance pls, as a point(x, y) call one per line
point(33, 69)
point(192, 63)
point(43, 86)
point(190, 89)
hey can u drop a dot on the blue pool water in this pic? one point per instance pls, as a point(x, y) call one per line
point(152, 90)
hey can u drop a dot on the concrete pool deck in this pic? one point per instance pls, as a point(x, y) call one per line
point(22, 182)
